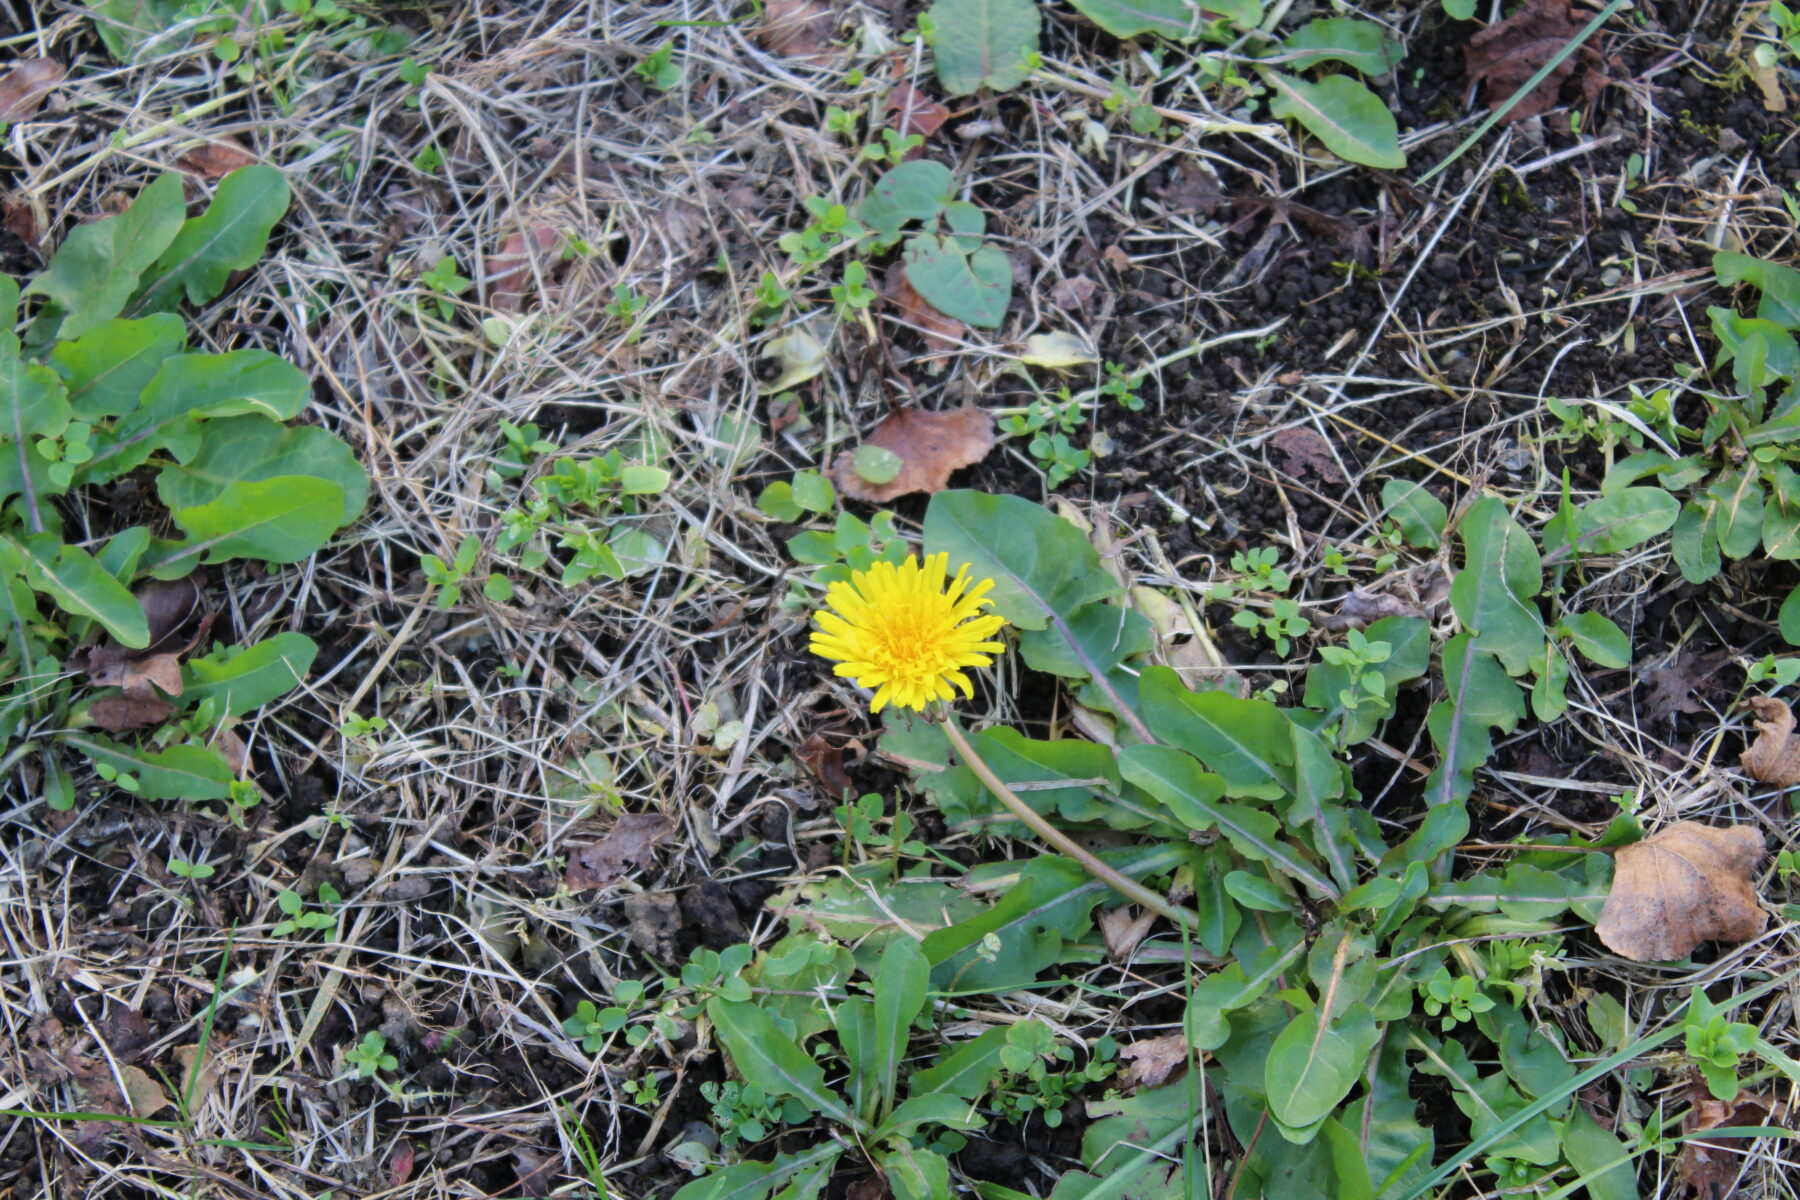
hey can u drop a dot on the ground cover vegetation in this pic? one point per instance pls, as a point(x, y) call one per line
point(724, 601)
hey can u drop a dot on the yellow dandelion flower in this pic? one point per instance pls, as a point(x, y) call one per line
point(900, 631)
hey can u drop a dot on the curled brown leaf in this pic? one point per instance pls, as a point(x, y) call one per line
point(631, 843)
point(1683, 885)
point(1774, 757)
point(931, 446)
point(1504, 56)
point(217, 158)
point(1151, 1061)
point(22, 89)
point(509, 271)
point(799, 29)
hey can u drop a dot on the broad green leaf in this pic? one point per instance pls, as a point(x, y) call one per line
point(1396, 1147)
point(1781, 516)
point(1099, 636)
point(1480, 696)
point(1738, 519)
point(241, 679)
point(1314, 1064)
point(81, 587)
point(9, 314)
point(1601, 641)
point(107, 369)
point(1409, 656)
point(1041, 565)
point(1489, 1102)
point(1362, 44)
point(1348, 1162)
point(983, 44)
point(966, 1072)
point(1342, 113)
point(1129, 18)
point(1788, 619)
point(1694, 542)
point(1623, 520)
point(230, 235)
point(765, 1056)
point(974, 288)
point(1017, 759)
point(912, 191)
point(1494, 594)
point(187, 772)
point(1780, 285)
point(1132, 1143)
point(1245, 741)
point(33, 403)
point(1258, 893)
point(914, 1173)
point(755, 1180)
point(1420, 515)
point(1192, 794)
point(900, 983)
point(1600, 1158)
point(279, 520)
point(1531, 1056)
point(1235, 986)
point(96, 269)
point(130, 27)
point(253, 447)
point(930, 1108)
point(856, 1033)
point(192, 386)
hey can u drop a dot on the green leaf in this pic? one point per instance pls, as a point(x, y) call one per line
point(1788, 619)
point(1313, 1065)
point(1420, 515)
point(1738, 519)
point(930, 1108)
point(1258, 893)
point(1041, 565)
point(900, 983)
point(914, 1173)
point(1100, 637)
point(81, 587)
point(1348, 1162)
point(877, 464)
point(1603, 642)
point(1396, 1147)
point(754, 1180)
point(1342, 113)
point(1129, 18)
point(913, 191)
point(1530, 1055)
point(1694, 542)
point(1409, 656)
point(241, 679)
point(33, 403)
point(279, 520)
point(96, 269)
point(1237, 985)
point(813, 492)
point(983, 44)
point(639, 479)
point(230, 235)
point(966, 1073)
point(9, 315)
point(1624, 520)
point(1364, 45)
point(128, 27)
point(1780, 285)
point(1600, 1158)
point(1493, 595)
point(1781, 516)
point(192, 773)
point(1245, 741)
point(765, 1056)
point(1192, 794)
point(108, 368)
point(1480, 696)
point(252, 447)
point(193, 386)
point(973, 288)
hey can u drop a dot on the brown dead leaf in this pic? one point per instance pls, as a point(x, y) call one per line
point(534, 1173)
point(931, 445)
point(1505, 55)
point(1122, 930)
point(117, 714)
point(142, 1092)
point(400, 1164)
point(22, 89)
point(1774, 757)
point(798, 29)
point(217, 158)
point(826, 762)
point(20, 218)
point(1709, 1169)
point(1152, 1060)
point(1676, 685)
point(1682, 886)
point(631, 843)
point(196, 1089)
point(942, 333)
point(1074, 292)
point(1307, 448)
point(869, 1187)
point(914, 113)
point(509, 270)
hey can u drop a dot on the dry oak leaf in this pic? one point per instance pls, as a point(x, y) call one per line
point(1679, 887)
point(914, 113)
point(1122, 929)
point(509, 270)
point(1505, 55)
point(798, 29)
point(22, 89)
point(931, 445)
point(1308, 449)
point(217, 159)
point(1710, 1169)
point(1152, 1060)
point(1774, 757)
point(632, 842)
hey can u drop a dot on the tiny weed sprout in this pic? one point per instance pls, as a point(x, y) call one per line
point(370, 1056)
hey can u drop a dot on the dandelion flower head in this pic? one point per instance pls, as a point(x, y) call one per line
point(907, 632)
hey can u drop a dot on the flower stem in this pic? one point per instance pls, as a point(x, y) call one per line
point(1118, 881)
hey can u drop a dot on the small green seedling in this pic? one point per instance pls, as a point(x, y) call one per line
point(300, 917)
point(371, 1056)
point(444, 280)
point(1457, 1000)
point(449, 577)
point(659, 69)
point(191, 870)
point(1283, 623)
point(1716, 1045)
